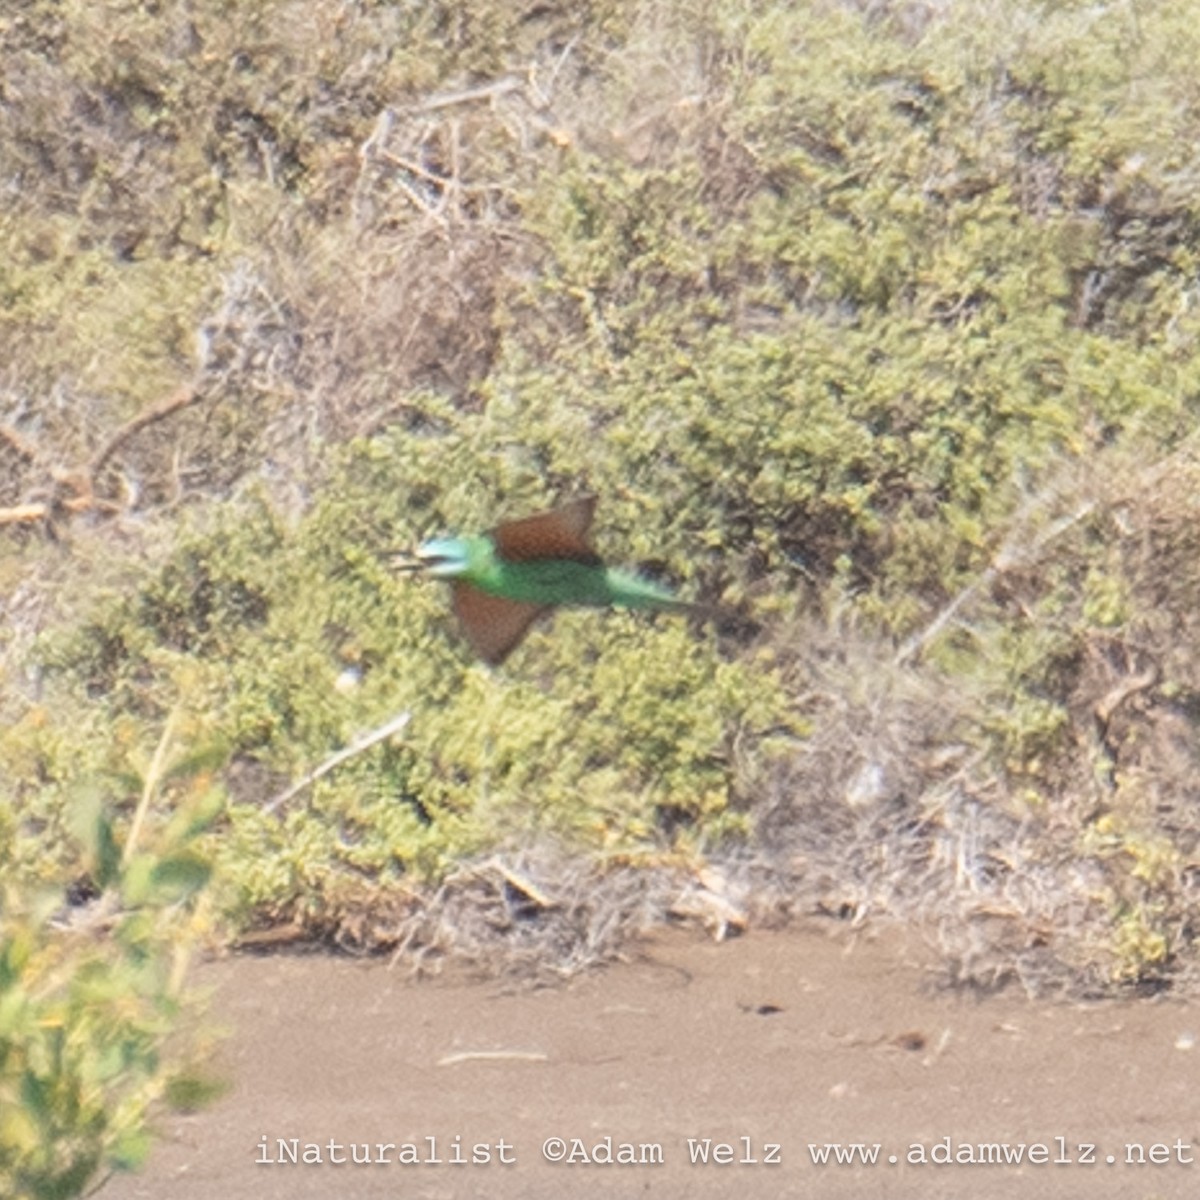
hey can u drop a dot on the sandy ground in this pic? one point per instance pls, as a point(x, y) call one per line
point(773, 1045)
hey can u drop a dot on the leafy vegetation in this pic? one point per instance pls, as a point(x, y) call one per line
point(91, 985)
point(874, 324)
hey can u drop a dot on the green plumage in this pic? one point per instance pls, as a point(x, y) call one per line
point(554, 581)
point(504, 580)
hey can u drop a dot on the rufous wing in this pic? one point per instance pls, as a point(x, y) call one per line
point(561, 533)
point(494, 626)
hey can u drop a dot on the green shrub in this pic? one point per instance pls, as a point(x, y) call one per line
point(90, 989)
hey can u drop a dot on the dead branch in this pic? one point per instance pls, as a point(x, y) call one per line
point(489, 91)
point(24, 514)
point(44, 510)
point(17, 442)
point(70, 492)
point(1105, 708)
point(1010, 555)
point(183, 398)
point(365, 742)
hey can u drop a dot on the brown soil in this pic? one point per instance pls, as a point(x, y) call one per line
point(791, 1039)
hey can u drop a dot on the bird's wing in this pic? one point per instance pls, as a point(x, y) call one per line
point(494, 626)
point(561, 533)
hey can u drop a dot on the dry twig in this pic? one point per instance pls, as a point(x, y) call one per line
point(365, 742)
point(71, 492)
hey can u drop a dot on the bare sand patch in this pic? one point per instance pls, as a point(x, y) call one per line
point(795, 1040)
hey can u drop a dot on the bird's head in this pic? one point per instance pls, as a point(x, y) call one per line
point(445, 558)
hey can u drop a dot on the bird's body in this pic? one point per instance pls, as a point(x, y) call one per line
point(551, 581)
point(504, 580)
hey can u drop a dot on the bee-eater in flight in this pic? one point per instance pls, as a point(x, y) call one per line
point(505, 580)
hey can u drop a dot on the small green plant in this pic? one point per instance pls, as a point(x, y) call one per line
point(90, 991)
point(1144, 872)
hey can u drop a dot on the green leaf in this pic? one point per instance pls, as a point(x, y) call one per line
point(90, 822)
point(35, 1096)
point(190, 1091)
point(130, 1149)
point(182, 874)
point(138, 880)
point(195, 817)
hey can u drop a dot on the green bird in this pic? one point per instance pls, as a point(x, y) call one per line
point(503, 581)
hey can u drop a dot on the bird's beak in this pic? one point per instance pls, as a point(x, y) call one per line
point(405, 562)
point(443, 558)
